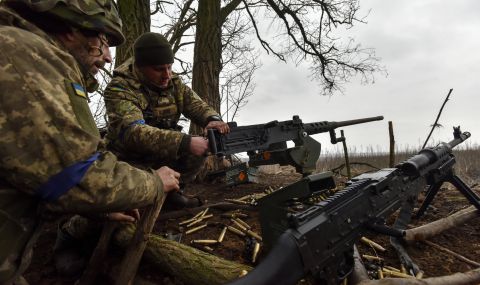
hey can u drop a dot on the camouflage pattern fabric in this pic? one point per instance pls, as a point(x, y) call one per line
point(129, 99)
point(46, 126)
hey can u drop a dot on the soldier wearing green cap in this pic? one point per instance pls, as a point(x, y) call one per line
point(52, 156)
point(144, 102)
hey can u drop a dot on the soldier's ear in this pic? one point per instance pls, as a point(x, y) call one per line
point(69, 36)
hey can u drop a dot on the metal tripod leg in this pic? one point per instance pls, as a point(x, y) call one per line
point(465, 190)
point(431, 192)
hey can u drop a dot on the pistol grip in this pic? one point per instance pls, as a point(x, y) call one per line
point(212, 141)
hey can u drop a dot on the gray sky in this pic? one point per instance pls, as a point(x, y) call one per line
point(427, 47)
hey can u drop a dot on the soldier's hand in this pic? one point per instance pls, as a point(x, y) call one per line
point(128, 216)
point(170, 178)
point(199, 146)
point(222, 127)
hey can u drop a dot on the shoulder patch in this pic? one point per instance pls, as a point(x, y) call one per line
point(79, 90)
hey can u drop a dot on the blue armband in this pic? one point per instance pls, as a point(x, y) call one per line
point(62, 182)
point(137, 122)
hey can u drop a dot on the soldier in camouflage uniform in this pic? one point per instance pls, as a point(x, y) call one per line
point(144, 102)
point(50, 149)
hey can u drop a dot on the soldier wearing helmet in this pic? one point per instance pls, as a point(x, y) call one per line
point(52, 159)
point(144, 102)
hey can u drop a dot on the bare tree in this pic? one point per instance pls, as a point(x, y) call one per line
point(240, 60)
point(135, 15)
point(291, 30)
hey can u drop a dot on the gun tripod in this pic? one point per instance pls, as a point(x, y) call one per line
point(458, 183)
point(406, 212)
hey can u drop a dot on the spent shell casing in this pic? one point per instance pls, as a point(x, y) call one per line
point(396, 274)
point(199, 219)
point(204, 212)
point(373, 244)
point(403, 269)
point(233, 215)
point(240, 226)
point(259, 195)
point(245, 225)
point(222, 234)
point(392, 268)
point(244, 198)
point(199, 214)
point(236, 201)
point(371, 257)
point(195, 229)
point(207, 248)
point(256, 249)
point(254, 235)
point(380, 274)
point(204, 241)
point(236, 231)
point(187, 221)
point(419, 274)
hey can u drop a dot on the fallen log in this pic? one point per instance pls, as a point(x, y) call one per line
point(426, 231)
point(188, 264)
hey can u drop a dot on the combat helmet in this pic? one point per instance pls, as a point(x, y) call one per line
point(96, 15)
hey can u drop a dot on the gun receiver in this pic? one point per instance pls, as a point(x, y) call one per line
point(319, 240)
point(267, 143)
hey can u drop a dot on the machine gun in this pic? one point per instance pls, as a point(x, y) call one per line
point(267, 143)
point(319, 240)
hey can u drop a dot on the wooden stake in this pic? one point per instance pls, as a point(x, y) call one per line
point(98, 256)
point(345, 151)
point(392, 144)
point(134, 252)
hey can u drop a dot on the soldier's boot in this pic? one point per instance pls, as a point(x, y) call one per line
point(69, 256)
point(177, 201)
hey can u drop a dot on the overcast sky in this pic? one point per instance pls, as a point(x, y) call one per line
point(427, 47)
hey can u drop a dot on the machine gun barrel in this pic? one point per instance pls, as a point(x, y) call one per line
point(434, 157)
point(262, 137)
point(322, 127)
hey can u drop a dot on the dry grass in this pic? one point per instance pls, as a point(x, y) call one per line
point(467, 166)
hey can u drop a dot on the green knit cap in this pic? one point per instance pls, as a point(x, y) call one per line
point(152, 49)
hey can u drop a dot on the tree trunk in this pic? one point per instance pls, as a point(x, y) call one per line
point(207, 63)
point(188, 264)
point(135, 15)
point(207, 55)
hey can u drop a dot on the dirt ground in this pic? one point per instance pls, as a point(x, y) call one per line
point(463, 240)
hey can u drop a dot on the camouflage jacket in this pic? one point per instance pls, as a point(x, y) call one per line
point(46, 126)
point(129, 101)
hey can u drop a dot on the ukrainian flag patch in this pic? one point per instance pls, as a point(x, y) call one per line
point(79, 90)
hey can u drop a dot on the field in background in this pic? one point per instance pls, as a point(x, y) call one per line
point(467, 166)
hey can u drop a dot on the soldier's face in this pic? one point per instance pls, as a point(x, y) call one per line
point(159, 75)
point(91, 52)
